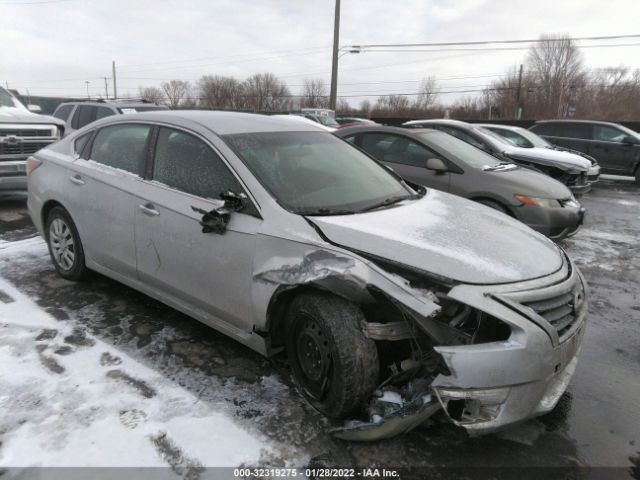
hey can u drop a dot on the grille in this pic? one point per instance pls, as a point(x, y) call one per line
point(23, 148)
point(560, 311)
point(4, 132)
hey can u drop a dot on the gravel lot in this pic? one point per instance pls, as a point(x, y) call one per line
point(596, 423)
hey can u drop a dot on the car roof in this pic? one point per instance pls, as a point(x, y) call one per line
point(595, 122)
point(219, 122)
point(443, 121)
point(499, 125)
point(113, 104)
point(345, 131)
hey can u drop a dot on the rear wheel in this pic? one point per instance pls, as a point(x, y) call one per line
point(64, 244)
point(334, 364)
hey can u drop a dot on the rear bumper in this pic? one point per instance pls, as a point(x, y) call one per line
point(13, 175)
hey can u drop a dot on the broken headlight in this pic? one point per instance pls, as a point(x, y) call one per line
point(470, 325)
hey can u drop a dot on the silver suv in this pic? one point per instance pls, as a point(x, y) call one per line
point(22, 133)
point(391, 301)
point(80, 114)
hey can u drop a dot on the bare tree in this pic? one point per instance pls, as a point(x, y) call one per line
point(343, 106)
point(555, 64)
point(392, 104)
point(365, 106)
point(427, 94)
point(266, 92)
point(152, 94)
point(220, 92)
point(179, 93)
point(314, 94)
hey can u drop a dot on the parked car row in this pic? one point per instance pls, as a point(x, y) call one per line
point(392, 300)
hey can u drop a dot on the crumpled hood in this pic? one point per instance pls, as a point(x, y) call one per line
point(567, 161)
point(18, 115)
point(448, 236)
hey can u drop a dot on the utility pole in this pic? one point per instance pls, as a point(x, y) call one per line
point(115, 89)
point(106, 88)
point(87, 82)
point(518, 93)
point(334, 63)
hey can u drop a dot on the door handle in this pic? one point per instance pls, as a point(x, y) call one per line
point(77, 179)
point(149, 209)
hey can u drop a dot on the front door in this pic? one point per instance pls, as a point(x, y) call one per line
point(407, 158)
point(210, 272)
point(611, 153)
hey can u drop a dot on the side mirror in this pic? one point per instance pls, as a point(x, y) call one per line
point(34, 108)
point(436, 165)
point(629, 140)
point(217, 219)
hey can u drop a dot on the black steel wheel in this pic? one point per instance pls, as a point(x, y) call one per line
point(334, 364)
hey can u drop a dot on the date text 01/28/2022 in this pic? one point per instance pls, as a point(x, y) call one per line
point(328, 473)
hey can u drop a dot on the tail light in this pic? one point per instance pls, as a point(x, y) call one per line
point(32, 164)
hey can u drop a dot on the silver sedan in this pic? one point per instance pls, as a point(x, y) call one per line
point(392, 302)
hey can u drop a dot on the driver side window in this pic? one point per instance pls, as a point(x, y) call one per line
point(186, 163)
point(396, 149)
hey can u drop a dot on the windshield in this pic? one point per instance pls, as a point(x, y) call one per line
point(532, 139)
point(459, 149)
point(316, 173)
point(327, 121)
point(8, 100)
point(492, 135)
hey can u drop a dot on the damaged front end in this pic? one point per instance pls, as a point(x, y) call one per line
point(408, 347)
point(488, 356)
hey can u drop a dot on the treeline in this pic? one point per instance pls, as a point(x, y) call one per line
point(553, 82)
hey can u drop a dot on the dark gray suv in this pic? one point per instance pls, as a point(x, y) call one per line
point(615, 147)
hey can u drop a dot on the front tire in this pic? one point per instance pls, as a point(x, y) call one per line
point(495, 206)
point(334, 364)
point(64, 244)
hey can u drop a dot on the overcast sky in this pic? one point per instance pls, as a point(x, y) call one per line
point(51, 47)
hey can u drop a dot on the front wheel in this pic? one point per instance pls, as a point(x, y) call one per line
point(334, 364)
point(64, 244)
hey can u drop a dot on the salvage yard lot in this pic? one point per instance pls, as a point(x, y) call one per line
point(95, 373)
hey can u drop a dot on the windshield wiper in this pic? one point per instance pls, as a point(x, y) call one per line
point(501, 165)
point(386, 202)
point(326, 211)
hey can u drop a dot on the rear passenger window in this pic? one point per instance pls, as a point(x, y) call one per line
point(574, 130)
point(63, 112)
point(122, 146)
point(81, 142)
point(186, 163)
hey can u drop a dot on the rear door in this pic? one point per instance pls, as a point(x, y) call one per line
point(100, 194)
point(407, 158)
point(576, 136)
point(612, 154)
point(210, 272)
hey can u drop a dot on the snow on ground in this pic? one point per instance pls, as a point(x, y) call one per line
point(69, 399)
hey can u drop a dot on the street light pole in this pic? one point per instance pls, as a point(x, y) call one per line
point(334, 64)
point(87, 82)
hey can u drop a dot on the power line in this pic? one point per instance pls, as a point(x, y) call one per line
point(486, 42)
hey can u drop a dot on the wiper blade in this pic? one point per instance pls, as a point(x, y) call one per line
point(386, 202)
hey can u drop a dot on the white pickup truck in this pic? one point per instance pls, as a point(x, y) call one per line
point(22, 133)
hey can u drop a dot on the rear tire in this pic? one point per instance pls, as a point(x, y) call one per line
point(334, 364)
point(64, 244)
